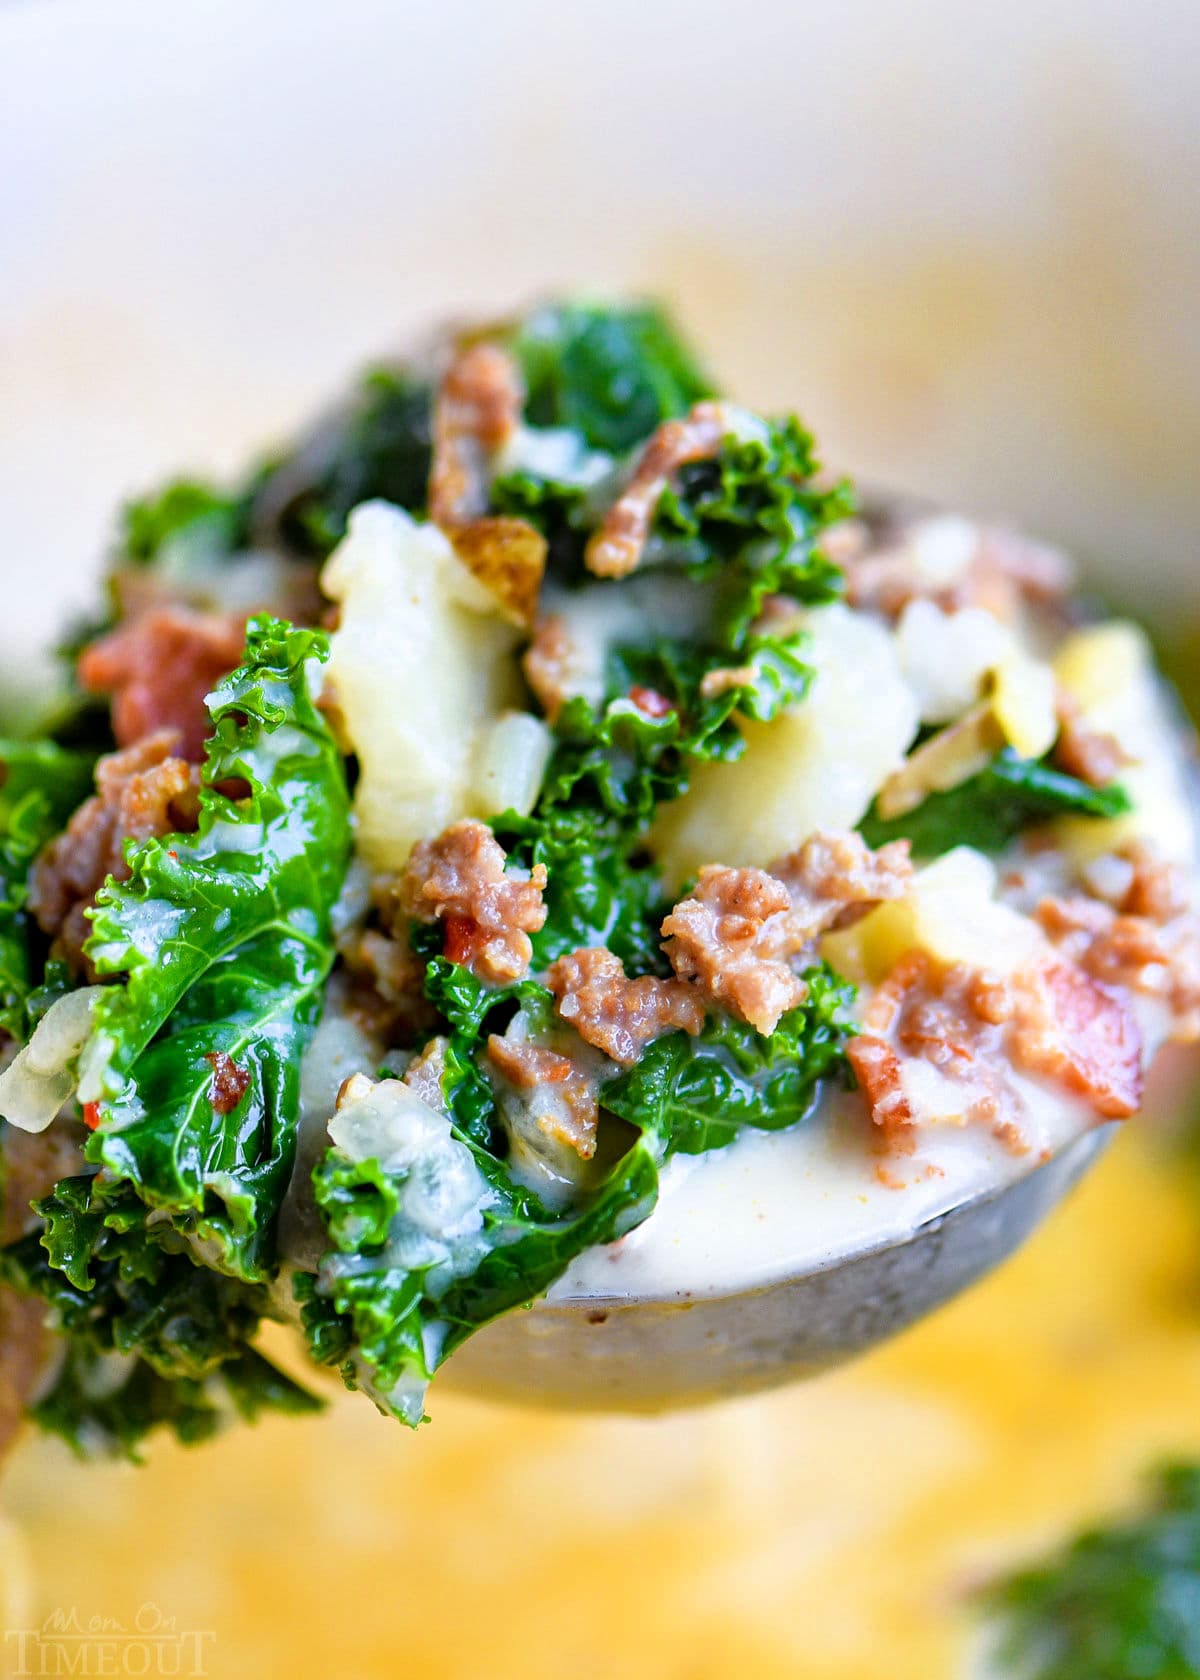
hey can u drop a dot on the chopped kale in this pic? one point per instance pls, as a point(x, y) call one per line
point(989, 810)
point(700, 1092)
point(185, 509)
point(611, 374)
point(153, 1337)
point(379, 448)
point(223, 941)
point(1120, 1601)
point(40, 785)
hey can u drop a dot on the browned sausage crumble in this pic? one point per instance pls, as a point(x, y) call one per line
point(487, 913)
point(145, 790)
point(615, 1014)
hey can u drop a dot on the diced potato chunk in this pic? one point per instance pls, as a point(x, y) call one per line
point(950, 912)
point(817, 766)
point(422, 665)
point(1109, 671)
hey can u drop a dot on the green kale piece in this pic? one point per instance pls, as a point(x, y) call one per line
point(186, 509)
point(395, 1296)
point(1118, 1602)
point(700, 1092)
point(224, 942)
point(151, 1336)
point(391, 1304)
point(989, 810)
point(40, 785)
point(610, 373)
point(749, 521)
point(379, 448)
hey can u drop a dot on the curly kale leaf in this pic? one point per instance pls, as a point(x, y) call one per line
point(223, 941)
point(599, 890)
point(696, 1094)
point(380, 447)
point(397, 1294)
point(611, 374)
point(991, 809)
point(186, 510)
point(151, 1337)
point(750, 520)
point(40, 785)
point(392, 1302)
point(1119, 1601)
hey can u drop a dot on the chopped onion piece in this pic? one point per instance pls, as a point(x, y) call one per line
point(43, 1076)
point(511, 762)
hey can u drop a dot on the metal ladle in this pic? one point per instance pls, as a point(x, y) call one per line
point(643, 1353)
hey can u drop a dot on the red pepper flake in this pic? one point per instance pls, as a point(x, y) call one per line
point(91, 1115)
point(229, 1082)
point(651, 702)
point(173, 855)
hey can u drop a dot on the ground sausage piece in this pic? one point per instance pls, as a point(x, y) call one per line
point(834, 876)
point(477, 409)
point(615, 1014)
point(144, 790)
point(562, 1098)
point(951, 1018)
point(970, 1028)
point(733, 938)
point(614, 550)
point(1147, 938)
point(1080, 750)
point(460, 880)
point(737, 934)
point(552, 664)
point(159, 667)
point(1001, 573)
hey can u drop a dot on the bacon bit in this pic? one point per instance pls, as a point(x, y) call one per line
point(572, 1114)
point(1091, 755)
point(92, 1115)
point(877, 1069)
point(229, 1082)
point(651, 702)
point(1147, 940)
point(615, 1014)
point(159, 667)
point(615, 549)
point(477, 409)
point(461, 880)
point(1082, 1033)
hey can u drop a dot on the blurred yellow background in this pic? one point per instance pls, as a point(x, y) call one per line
point(962, 240)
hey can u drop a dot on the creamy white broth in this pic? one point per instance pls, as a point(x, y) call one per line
point(774, 1204)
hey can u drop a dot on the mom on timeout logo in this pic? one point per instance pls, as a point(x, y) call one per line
point(70, 1644)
